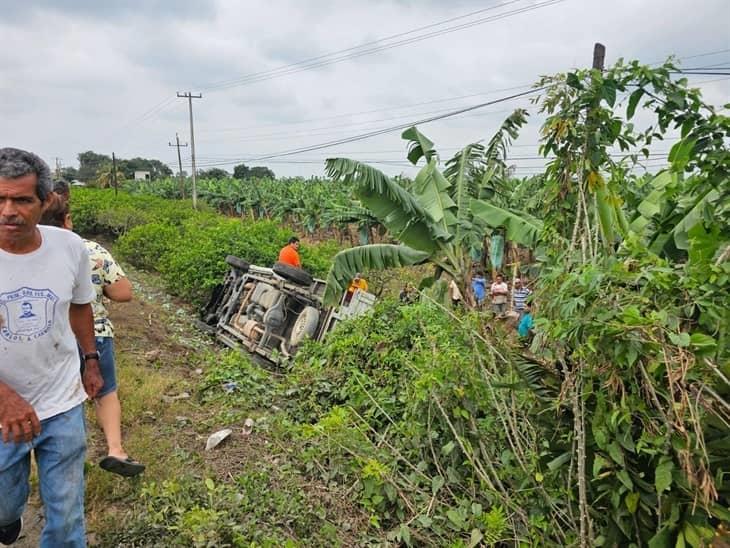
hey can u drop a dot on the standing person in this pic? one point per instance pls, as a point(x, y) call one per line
point(407, 294)
point(289, 254)
point(519, 296)
point(109, 281)
point(62, 189)
point(358, 282)
point(524, 328)
point(41, 390)
point(479, 287)
point(499, 293)
point(454, 294)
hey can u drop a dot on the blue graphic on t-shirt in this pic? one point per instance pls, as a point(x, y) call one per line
point(28, 313)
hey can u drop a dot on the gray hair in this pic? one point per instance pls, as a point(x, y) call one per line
point(15, 163)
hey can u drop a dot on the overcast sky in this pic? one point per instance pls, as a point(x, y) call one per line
point(81, 75)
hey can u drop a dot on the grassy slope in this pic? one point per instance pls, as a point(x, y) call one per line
point(256, 494)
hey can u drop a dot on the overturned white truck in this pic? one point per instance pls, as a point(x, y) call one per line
point(269, 312)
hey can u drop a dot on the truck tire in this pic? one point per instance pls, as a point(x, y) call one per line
point(293, 274)
point(238, 264)
point(305, 327)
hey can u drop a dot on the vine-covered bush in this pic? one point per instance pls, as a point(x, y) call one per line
point(442, 438)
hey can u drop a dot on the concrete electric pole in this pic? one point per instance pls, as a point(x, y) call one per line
point(190, 98)
point(179, 163)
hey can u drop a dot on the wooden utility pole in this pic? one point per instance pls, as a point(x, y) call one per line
point(599, 55)
point(190, 98)
point(114, 174)
point(179, 163)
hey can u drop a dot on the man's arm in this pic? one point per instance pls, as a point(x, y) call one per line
point(120, 291)
point(18, 420)
point(81, 318)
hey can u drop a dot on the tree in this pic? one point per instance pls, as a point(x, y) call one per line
point(156, 168)
point(440, 219)
point(242, 171)
point(89, 163)
point(69, 173)
point(261, 172)
point(213, 173)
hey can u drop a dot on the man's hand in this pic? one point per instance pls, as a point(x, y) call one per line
point(17, 418)
point(92, 378)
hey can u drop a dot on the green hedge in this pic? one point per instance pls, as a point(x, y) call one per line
point(101, 212)
point(187, 247)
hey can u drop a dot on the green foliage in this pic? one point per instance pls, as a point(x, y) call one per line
point(404, 403)
point(144, 246)
point(102, 212)
point(258, 508)
point(254, 193)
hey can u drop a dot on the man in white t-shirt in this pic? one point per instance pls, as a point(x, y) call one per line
point(45, 311)
point(499, 293)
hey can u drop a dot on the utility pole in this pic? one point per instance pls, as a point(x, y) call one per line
point(599, 55)
point(179, 163)
point(114, 174)
point(58, 167)
point(190, 98)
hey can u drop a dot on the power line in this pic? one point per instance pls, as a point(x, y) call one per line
point(382, 131)
point(321, 60)
point(166, 103)
point(352, 48)
point(310, 132)
point(376, 110)
point(701, 73)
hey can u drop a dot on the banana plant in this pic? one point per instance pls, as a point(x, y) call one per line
point(439, 218)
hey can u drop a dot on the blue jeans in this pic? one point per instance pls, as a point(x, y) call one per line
point(60, 451)
point(107, 367)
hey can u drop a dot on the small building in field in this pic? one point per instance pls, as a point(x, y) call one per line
point(141, 175)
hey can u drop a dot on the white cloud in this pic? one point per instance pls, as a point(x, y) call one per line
point(83, 76)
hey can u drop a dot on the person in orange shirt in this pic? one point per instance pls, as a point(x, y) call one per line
point(289, 254)
point(358, 282)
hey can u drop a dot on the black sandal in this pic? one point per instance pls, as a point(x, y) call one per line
point(124, 467)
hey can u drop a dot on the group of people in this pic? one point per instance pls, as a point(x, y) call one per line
point(499, 293)
point(56, 351)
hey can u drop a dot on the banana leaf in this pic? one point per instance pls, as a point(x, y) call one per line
point(419, 145)
point(496, 251)
point(398, 210)
point(519, 227)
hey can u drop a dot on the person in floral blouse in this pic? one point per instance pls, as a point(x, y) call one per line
point(109, 281)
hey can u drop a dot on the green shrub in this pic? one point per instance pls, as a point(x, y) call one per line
point(101, 211)
point(144, 246)
point(197, 264)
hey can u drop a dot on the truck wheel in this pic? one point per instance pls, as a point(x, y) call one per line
point(293, 274)
point(237, 263)
point(305, 327)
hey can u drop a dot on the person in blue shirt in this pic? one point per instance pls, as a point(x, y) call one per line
point(479, 287)
point(524, 328)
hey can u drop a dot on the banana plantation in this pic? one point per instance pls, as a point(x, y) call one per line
point(610, 428)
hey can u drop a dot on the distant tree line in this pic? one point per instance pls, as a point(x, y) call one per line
point(97, 168)
point(241, 172)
